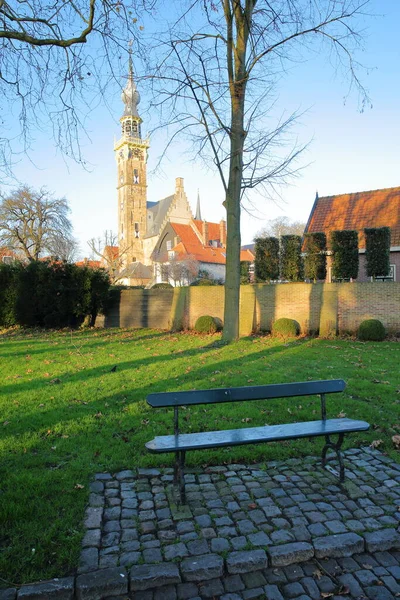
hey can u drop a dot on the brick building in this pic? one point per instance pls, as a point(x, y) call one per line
point(357, 211)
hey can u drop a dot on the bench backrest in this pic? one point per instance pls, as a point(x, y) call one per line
point(241, 394)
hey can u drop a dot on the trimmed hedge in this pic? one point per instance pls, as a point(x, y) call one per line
point(344, 246)
point(244, 272)
point(162, 286)
point(205, 281)
point(371, 330)
point(285, 328)
point(208, 324)
point(266, 262)
point(377, 251)
point(314, 246)
point(291, 259)
point(52, 294)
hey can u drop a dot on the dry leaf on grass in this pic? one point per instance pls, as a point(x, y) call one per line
point(376, 443)
point(78, 486)
point(396, 441)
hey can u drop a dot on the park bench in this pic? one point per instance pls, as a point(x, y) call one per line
point(180, 443)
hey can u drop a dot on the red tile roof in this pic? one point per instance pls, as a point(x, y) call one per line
point(93, 264)
point(213, 229)
point(191, 244)
point(376, 208)
point(246, 255)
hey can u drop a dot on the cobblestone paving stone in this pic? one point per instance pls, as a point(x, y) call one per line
point(281, 530)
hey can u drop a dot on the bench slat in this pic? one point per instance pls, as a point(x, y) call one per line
point(253, 435)
point(240, 394)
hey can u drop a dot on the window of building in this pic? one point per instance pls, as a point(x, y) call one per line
point(169, 245)
point(390, 277)
point(137, 233)
point(7, 260)
point(135, 176)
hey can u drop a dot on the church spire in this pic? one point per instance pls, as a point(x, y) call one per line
point(130, 96)
point(198, 209)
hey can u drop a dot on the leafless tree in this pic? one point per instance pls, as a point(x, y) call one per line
point(281, 226)
point(33, 222)
point(56, 61)
point(112, 258)
point(182, 270)
point(64, 248)
point(217, 80)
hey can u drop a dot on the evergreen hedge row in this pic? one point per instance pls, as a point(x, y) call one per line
point(344, 246)
point(266, 263)
point(291, 260)
point(377, 251)
point(51, 295)
point(314, 246)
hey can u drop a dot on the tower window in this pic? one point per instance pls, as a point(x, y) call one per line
point(135, 176)
point(136, 230)
point(134, 127)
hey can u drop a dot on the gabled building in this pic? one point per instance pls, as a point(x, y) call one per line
point(186, 249)
point(357, 211)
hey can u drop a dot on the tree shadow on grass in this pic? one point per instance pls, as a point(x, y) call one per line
point(239, 367)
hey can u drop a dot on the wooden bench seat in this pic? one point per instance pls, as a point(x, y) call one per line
point(253, 435)
point(180, 443)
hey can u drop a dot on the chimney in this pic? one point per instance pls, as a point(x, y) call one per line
point(222, 233)
point(205, 232)
point(179, 185)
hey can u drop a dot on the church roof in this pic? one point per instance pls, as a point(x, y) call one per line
point(159, 210)
point(375, 208)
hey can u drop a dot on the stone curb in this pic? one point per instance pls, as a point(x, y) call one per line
point(117, 582)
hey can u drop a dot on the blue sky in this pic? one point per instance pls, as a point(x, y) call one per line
point(349, 151)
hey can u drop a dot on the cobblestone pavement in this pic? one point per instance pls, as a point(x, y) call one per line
point(280, 530)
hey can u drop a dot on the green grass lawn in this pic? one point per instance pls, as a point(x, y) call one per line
point(65, 416)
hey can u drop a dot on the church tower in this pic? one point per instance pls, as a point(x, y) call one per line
point(131, 156)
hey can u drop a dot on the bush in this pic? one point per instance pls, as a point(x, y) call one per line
point(162, 286)
point(315, 256)
point(377, 251)
point(208, 324)
point(285, 328)
point(266, 262)
point(9, 275)
point(204, 281)
point(291, 259)
point(244, 272)
point(344, 246)
point(51, 294)
point(371, 330)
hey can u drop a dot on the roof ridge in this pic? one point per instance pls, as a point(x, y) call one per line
point(360, 192)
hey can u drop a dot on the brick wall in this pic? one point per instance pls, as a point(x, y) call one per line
point(327, 308)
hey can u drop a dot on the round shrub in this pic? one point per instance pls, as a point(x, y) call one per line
point(161, 286)
point(285, 328)
point(208, 324)
point(203, 281)
point(371, 330)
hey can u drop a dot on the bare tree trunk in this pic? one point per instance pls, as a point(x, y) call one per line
point(233, 196)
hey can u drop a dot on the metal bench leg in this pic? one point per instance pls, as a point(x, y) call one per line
point(179, 475)
point(176, 469)
point(182, 491)
point(329, 445)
